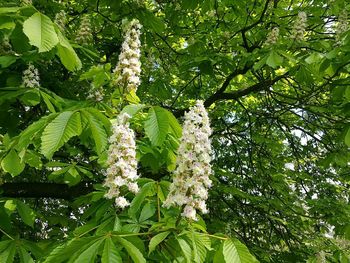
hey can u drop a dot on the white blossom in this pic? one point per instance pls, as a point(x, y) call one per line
point(61, 19)
point(299, 28)
point(30, 78)
point(121, 202)
point(122, 163)
point(96, 94)
point(341, 27)
point(128, 70)
point(191, 176)
point(84, 34)
point(272, 37)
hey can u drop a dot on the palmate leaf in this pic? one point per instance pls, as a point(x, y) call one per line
point(89, 254)
point(98, 131)
point(200, 245)
point(156, 240)
point(59, 131)
point(157, 125)
point(12, 163)
point(234, 251)
point(41, 32)
point(132, 250)
point(110, 252)
point(69, 250)
point(67, 54)
point(186, 249)
point(23, 249)
point(26, 213)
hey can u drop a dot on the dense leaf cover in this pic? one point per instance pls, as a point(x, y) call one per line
point(274, 78)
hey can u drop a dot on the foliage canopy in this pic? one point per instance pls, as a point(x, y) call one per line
point(278, 99)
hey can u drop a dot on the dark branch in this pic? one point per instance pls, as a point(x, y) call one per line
point(242, 92)
point(40, 190)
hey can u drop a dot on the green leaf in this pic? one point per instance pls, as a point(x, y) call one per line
point(26, 137)
point(59, 131)
point(90, 253)
point(219, 256)
point(8, 254)
point(4, 244)
point(347, 138)
point(175, 127)
point(140, 197)
point(235, 251)
point(41, 32)
point(110, 253)
point(31, 97)
point(26, 213)
point(147, 211)
point(157, 125)
point(156, 240)
point(12, 163)
point(24, 256)
point(67, 250)
point(98, 132)
point(148, 19)
point(200, 245)
point(132, 109)
point(67, 54)
point(274, 60)
point(133, 251)
point(186, 249)
point(6, 61)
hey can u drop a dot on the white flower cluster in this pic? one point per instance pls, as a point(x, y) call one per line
point(128, 69)
point(60, 20)
point(96, 94)
point(299, 28)
point(272, 37)
point(341, 27)
point(30, 77)
point(84, 34)
point(122, 163)
point(191, 176)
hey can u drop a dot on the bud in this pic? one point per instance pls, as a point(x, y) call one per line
point(272, 37)
point(341, 27)
point(30, 78)
point(84, 34)
point(299, 28)
point(60, 20)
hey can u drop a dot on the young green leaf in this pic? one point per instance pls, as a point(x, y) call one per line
point(156, 240)
point(59, 131)
point(90, 253)
point(26, 213)
point(274, 60)
point(67, 54)
point(235, 251)
point(41, 32)
point(157, 125)
point(186, 249)
point(12, 163)
point(110, 252)
point(133, 251)
point(98, 132)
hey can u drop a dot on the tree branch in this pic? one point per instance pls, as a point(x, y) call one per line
point(40, 190)
point(242, 92)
